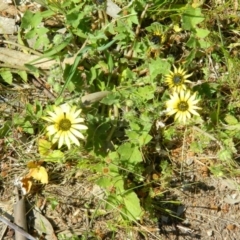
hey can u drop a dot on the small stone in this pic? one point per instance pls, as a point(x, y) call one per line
point(210, 232)
point(231, 227)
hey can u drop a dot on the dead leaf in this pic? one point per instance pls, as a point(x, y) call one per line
point(231, 227)
point(93, 97)
point(18, 59)
point(39, 174)
point(42, 225)
point(228, 183)
point(112, 9)
point(232, 199)
point(26, 185)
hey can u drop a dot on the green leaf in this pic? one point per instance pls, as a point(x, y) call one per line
point(36, 19)
point(5, 128)
point(53, 202)
point(132, 135)
point(44, 147)
point(204, 44)
point(56, 49)
point(104, 181)
point(217, 170)
point(231, 120)
point(196, 147)
point(146, 92)
point(127, 204)
point(23, 75)
point(132, 17)
point(127, 75)
point(202, 33)
point(110, 62)
point(132, 209)
point(55, 156)
point(192, 42)
point(28, 128)
point(73, 69)
point(225, 155)
point(191, 17)
point(191, 56)
point(144, 139)
point(75, 18)
point(129, 153)
point(26, 19)
point(111, 98)
point(158, 66)
point(7, 76)
point(106, 46)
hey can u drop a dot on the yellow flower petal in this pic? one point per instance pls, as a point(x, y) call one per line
point(182, 104)
point(80, 127)
point(65, 128)
point(74, 139)
point(77, 133)
point(67, 139)
point(177, 79)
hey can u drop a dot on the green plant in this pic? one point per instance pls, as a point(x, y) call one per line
point(124, 61)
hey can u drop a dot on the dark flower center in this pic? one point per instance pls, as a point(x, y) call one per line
point(177, 79)
point(65, 124)
point(183, 106)
point(156, 39)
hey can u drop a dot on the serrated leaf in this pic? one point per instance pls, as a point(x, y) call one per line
point(146, 93)
point(55, 156)
point(130, 153)
point(191, 17)
point(158, 66)
point(110, 99)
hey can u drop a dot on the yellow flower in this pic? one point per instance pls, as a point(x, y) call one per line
point(66, 126)
point(177, 79)
point(158, 37)
point(183, 104)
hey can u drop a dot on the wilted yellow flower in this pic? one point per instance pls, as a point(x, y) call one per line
point(66, 127)
point(183, 104)
point(177, 79)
